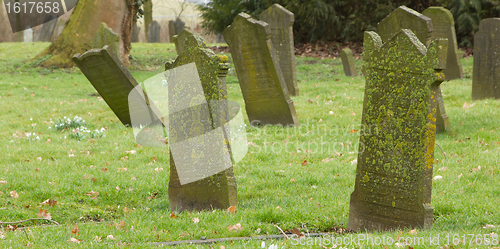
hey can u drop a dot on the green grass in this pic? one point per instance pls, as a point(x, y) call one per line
point(292, 178)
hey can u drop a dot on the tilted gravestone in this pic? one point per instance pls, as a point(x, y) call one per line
point(28, 35)
point(206, 112)
point(110, 78)
point(154, 32)
point(348, 62)
point(421, 26)
point(135, 33)
point(45, 33)
point(486, 68)
point(181, 38)
point(261, 80)
point(280, 22)
point(443, 26)
point(394, 172)
point(106, 36)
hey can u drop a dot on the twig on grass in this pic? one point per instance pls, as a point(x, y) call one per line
point(282, 231)
point(444, 154)
point(17, 222)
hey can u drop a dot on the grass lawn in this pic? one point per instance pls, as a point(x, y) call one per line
point(106, 195)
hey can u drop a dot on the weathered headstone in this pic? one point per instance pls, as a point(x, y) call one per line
point(47, 29)
point(171, 31)
point(110, 78)
point(181, 38)
point(28, 35)
point(154, 32)
point(207, 112)
point(486, 69)
point(348, 62)
point(106, 36)
point(280, 22)
point(443, 26)
point(259, 74)
point(394, 172)
point(406, 18)
point(135, 33)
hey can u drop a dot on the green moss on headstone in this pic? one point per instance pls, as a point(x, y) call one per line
point(106, 36)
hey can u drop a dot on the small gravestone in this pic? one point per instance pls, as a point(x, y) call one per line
point(106, 36)
point(348, 62)
point(394, 172)
point(28, 35)
point(206, 112)
point(180, 39)
point(135, 33)
point(154, 32)
point(443, 26)
point(259, 74)
point(486, 69)
point(421, 26)
point(171, 31)
point(110, 78)
point(47, 29)
point(280, 22)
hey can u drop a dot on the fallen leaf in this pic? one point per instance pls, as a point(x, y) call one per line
point(158, 169)
point(43, 214)
point(121, 224)
point(75, 230)
point(436, 178)
point(234, 227)
point(49, 202)
point(196, 220)
point(3, 182)
point(14, 194)
point(104, 169)
point(74, 240)
point(488, 226)
point(413, 232)
point(133, 178)
point(122, 169)
point(310, 101)
point(353, 131)
point(304, 163)
point(231, 209)
point(93, 194)
point(173, 216)
point(297, 232)
point(155, 159)
point(110, 237)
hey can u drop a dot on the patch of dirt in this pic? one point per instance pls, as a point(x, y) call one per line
point(467, 52)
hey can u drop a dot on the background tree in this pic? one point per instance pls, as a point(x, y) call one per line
point(119, 15)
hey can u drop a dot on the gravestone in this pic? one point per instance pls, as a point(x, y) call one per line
point(261, 80)
point(179, 25)
point(110, 78)
point(394, 172)
point(348, 62)
point(443, 26)
point(421, 26)
point(154, 32)
point(45, 33)
point(180, 39)
point(486, 68)
point(106, 36)
point(171, 31)
point(280, 22)
point(28, 35)
point(207, 112)
point(135, 33)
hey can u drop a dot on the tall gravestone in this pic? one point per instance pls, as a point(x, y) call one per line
point(45, 33)
point(280, 22)
point(106, 36)
point(28, 35)
point(259, 74)
point(135, 33)
point(217, 191)
point(181, 38)
point(154, 32)
point(394, 172)
point(110, 78)
point(486, 69)
point(348, 62)
point(443, 26)
point(421, 26)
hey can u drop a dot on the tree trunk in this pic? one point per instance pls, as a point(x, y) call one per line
point(82, 27)
point(148, 16)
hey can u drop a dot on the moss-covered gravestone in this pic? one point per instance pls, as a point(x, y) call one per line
point(280, 22)
point(106, 36)
point(154, 32)
point(406, 18)
point(181, 38)
point(394, 172)
point(443, 26)
point(348, 62)
point(261, 80)
point(486, 69)
point(196, 117)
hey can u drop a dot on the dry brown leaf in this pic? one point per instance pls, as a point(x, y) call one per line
point(237, 226)
point(231, 209)
point(93, 194)
point(155, 159)
point(304, 163)
point(104, 169)
point(195, 220)
point(413, 232)
point(173, 216)
point(75, 230)
point(122, 169)
point(43, 214)
point(297, 232)
point(310, 101)
point(14, 194)
point(353, 131)
point(3, 182)
point(121, 224)
point(74, 240)
point(49, 202)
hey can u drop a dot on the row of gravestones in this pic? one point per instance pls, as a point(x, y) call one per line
point(403, 67)
point(46, 32)
point(174, 28)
